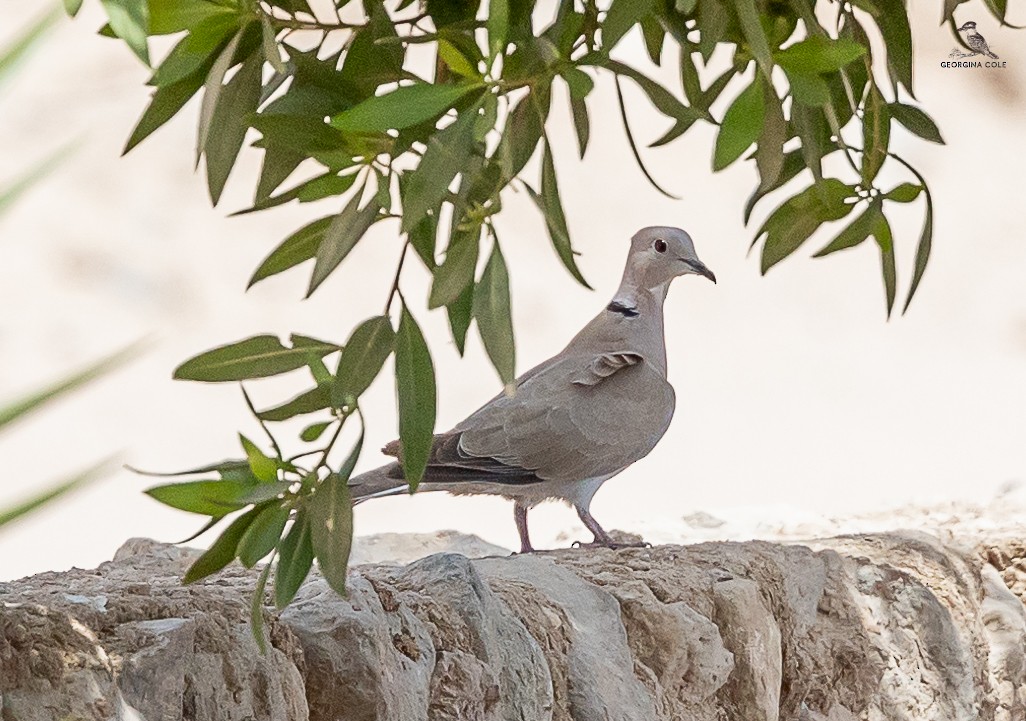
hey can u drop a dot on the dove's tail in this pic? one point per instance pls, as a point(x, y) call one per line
point(381, 482)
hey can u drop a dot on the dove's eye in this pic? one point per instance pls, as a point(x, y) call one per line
point(659, 245)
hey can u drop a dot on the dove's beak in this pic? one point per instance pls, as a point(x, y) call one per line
point(699, 268)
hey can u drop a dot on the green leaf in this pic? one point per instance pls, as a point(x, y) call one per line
point(580, 85)
point(555, 220)
point(256, 609)
point(21, 407)
point(196, 50)
point(234, 469)
point(361, 359)
point(742, 124)
point(238, 101)
point(297, 248)
point(751, 27)
point(405, 106)
point(818, 54)
point(270, 45)
point(222, 551)
point(460, 314)
point(855, 233)
point(263, 492)
point(904, 193)
point(523, 130)
point(257, 357)
point(655, 36)
point(71, 7)
point(415, 388)
point(916, 121)
point(494, 319)
point(769, 155)
point(446, 154)
point(43, 498)
point(457, 270)
point(207, 498)
point(130, 19)
point(263, 534)
point(923, 248)
point(884, 239)
point(264, 468)
point(295, 557)
point(314, 431)
point(456, 61)
point(371, 60)
point(897, 35)
point(212, 88)
point(341, 236)
point(498, 25)
point(311, 401)
point(876, 123)
point(659, 96)
point(809, 88)
point(621, 17)
point(165, 103)
point(797, 218)
point(174, 16)
point(331, 526)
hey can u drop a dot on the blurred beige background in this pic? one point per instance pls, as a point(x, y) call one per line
point(796, 400)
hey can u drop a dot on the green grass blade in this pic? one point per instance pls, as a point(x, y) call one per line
point(23, 406)
point(56, 491)
point(20, 46)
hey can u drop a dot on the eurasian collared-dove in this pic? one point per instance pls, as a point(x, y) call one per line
point(577, 419)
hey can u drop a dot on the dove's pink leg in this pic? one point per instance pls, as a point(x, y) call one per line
point(520, 516)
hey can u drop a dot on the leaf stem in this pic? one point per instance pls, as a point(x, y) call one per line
point(395, 280)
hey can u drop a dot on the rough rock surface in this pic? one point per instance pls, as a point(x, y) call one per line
point(885, 627)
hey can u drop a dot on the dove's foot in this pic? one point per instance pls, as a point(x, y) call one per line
point(611, 544)
point(602, 538)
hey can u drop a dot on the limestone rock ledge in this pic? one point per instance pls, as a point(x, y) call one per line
point(879, 627)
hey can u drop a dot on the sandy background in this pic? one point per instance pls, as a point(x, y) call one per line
point(796, 400)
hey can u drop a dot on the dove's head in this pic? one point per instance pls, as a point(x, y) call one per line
point(968, 26)
point(661, 253)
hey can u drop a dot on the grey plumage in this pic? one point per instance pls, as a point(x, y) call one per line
point(577, 419)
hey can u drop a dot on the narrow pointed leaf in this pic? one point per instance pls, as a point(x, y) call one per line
point(331, 527)
point(222, 551)
point(494, 317)
point(257, 357)
point(916, 121)
point(922, 249)
point(361, 358)
point(621, 17)
point(456, 272)
point(415, 388)
point(299, 247)
point(855, 232)
point(256, 609)
point(445, 156)
point(795, 220)
point(741, 126)
point(264, 468)
point(130, 19)
point(212, 87)
point(460, 314)
point(43, 498)
point(403, 107)
point(207, 498)
point(555, 220)
point(238, 101)
point(341, 236)
point(263, 534)
point(755, 36)
point(876, 135)
point(311, 401)
point(295, 557)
